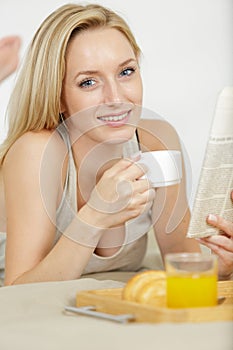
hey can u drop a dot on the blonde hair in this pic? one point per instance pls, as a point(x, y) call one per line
point(35, 101)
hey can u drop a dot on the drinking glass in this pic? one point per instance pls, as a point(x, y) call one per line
point(191, 280)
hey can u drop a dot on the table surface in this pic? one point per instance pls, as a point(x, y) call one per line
point(32, 317)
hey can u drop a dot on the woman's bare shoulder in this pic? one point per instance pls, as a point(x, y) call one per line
point(34, 145)
point(35, 162)
point(34, 158)
point(157, 135)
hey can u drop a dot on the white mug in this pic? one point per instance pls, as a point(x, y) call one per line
point(164, 167)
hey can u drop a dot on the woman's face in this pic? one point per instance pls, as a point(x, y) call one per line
point(102, 89)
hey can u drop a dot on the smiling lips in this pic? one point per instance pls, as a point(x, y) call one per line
point(115, 120)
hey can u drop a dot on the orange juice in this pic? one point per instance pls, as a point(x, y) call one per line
point(191, 290)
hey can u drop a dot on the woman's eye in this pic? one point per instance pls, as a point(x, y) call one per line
point(87, 83)
point(127, 71)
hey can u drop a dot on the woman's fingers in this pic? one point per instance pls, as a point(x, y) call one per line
point(219, 241)
point(126, 169)
point(143, 198)
point(220, 251)
point(134, 172)
point(220, 223)
point(225, 258)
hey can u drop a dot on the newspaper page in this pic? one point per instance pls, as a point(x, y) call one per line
point(216, 176)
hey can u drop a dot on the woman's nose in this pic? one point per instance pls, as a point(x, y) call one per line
point(113, 92)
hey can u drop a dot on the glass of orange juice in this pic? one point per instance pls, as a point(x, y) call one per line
point(191, 280)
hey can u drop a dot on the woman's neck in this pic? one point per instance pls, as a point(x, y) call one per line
point(93, 158)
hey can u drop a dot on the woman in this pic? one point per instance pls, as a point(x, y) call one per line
point(74, 204)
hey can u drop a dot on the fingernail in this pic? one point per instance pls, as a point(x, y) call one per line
point(136, 156)
point(212, 218)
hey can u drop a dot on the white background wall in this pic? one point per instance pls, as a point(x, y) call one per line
point(187, 57)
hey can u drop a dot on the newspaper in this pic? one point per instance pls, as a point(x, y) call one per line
point(216, 176)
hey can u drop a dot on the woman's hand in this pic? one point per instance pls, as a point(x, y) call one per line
point(120, 195)
point(222, 244)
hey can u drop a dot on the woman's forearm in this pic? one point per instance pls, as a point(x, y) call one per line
point(66, 261)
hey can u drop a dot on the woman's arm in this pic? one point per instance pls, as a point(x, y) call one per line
point(31, 214)
point(171, 218)
point(170, 212)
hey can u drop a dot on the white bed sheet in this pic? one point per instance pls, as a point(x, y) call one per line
point(32, 317)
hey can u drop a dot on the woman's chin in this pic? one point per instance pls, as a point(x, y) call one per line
point(118, 135)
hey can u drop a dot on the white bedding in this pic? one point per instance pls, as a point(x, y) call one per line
point(32, 318)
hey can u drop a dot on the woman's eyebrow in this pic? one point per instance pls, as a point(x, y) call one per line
point(127, 62)
point(86, 72)
point(91, 72)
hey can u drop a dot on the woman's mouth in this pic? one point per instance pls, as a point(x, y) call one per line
point(115, 120)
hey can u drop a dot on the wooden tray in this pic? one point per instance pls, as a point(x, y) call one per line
point(109, 301)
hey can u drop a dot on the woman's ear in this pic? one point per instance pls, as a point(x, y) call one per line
point(62, 109)
point(62, 105)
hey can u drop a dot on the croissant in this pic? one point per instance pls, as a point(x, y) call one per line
point(147, 287)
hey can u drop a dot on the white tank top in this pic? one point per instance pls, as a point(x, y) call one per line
point(131, 254)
